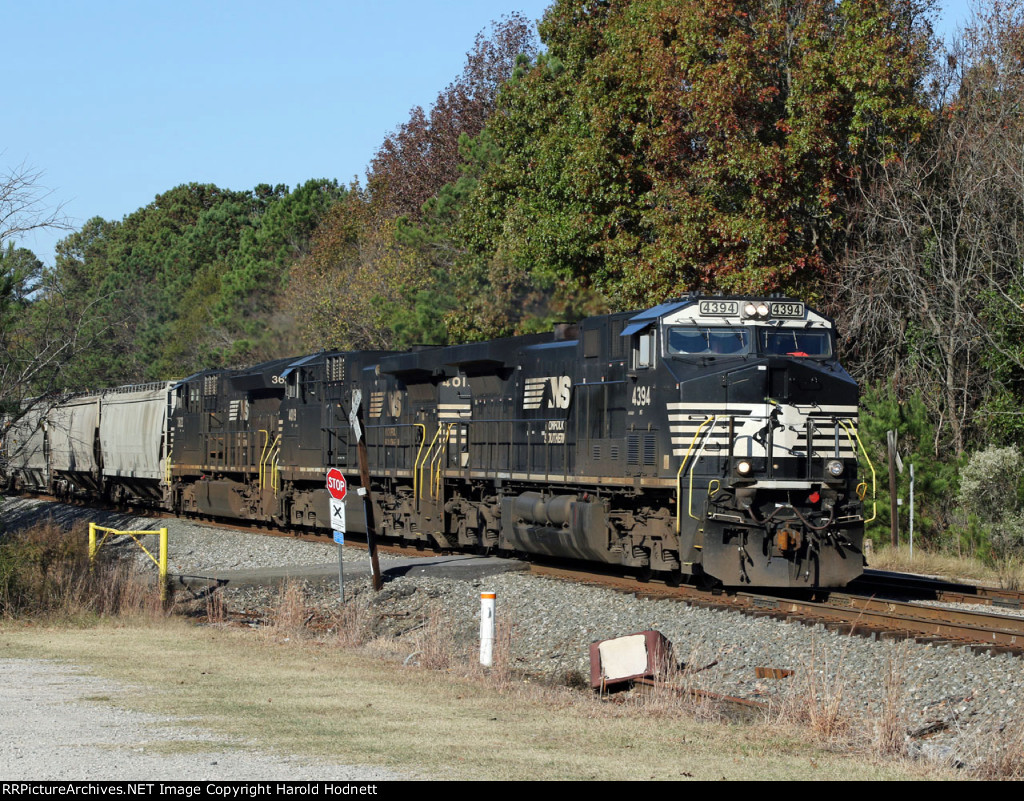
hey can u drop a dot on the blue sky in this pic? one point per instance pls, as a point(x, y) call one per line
point(117, 101)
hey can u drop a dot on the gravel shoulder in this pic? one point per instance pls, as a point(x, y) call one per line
point(58, 723)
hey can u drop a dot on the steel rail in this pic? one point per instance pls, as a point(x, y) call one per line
point(923, 587)
point(969, 628)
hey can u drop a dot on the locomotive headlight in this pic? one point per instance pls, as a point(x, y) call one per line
point(834, 467)
point(744, 468)
point(758, 311)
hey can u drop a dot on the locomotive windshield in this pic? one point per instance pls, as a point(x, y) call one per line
point(795, 342)
point(701, 341)
point(735, 341)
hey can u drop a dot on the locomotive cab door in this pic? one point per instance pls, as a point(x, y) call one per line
point(641, 434)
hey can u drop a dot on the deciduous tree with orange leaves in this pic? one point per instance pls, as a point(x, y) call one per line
point(665, 145)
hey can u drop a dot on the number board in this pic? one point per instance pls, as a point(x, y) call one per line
point(788, 311)
point(719, 308)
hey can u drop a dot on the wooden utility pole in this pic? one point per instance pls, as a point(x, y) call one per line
point(364, 490)
point(894, 520)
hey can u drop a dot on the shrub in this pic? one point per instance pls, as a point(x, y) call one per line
point(990, 496)
point(45, 572)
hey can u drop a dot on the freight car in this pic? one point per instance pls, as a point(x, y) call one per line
point(703, 439)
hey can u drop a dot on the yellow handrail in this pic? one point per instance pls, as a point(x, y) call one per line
point(419, 467)
point(263, 455)
point(863, 450)
point(435, 482)
point(434, 456)
point(272, 463)
point(416, 462)
point(679, 475)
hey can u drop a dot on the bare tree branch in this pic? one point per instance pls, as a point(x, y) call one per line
point(25, 204)
point(933, 287)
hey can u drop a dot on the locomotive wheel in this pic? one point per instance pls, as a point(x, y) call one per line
point(673, 578)
point(644, 574)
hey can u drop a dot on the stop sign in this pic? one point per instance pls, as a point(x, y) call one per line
point(336, 484)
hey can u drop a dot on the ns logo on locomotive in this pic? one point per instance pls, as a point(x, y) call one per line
point(710, 439)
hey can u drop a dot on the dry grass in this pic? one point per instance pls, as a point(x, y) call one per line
point(1006, 572)
point(998, 754)
point(291, 617)
point(352, 624)
point(313, 700)
point(816, 701)
point(500, 675)
point(890, 724)
point(433, 642)
point(216, 612)
point(45, 574)
point(680, 691)
point(418, 699)
point(928, 563)
point(1010, 572)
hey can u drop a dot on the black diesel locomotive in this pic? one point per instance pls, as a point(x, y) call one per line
point(705, 438)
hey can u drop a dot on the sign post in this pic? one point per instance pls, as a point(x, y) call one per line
point(338, 488)
point(894, 519)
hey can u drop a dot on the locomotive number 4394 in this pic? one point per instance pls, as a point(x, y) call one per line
point(641, 395)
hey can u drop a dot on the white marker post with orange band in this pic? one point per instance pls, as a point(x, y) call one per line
point(487, 628)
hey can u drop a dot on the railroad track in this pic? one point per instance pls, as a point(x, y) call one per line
point(888, 619)
point(893, 585)
point(858, 611)
point(879, 605)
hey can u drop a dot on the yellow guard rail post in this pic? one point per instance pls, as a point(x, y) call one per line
point(160, 562)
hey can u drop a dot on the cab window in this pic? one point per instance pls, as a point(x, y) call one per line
point(707, 341)
point(643, 349)
point(795, 342)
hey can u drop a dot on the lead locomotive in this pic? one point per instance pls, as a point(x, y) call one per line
point(702, 438)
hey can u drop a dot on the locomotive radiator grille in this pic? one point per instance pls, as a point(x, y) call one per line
point(648, 452)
